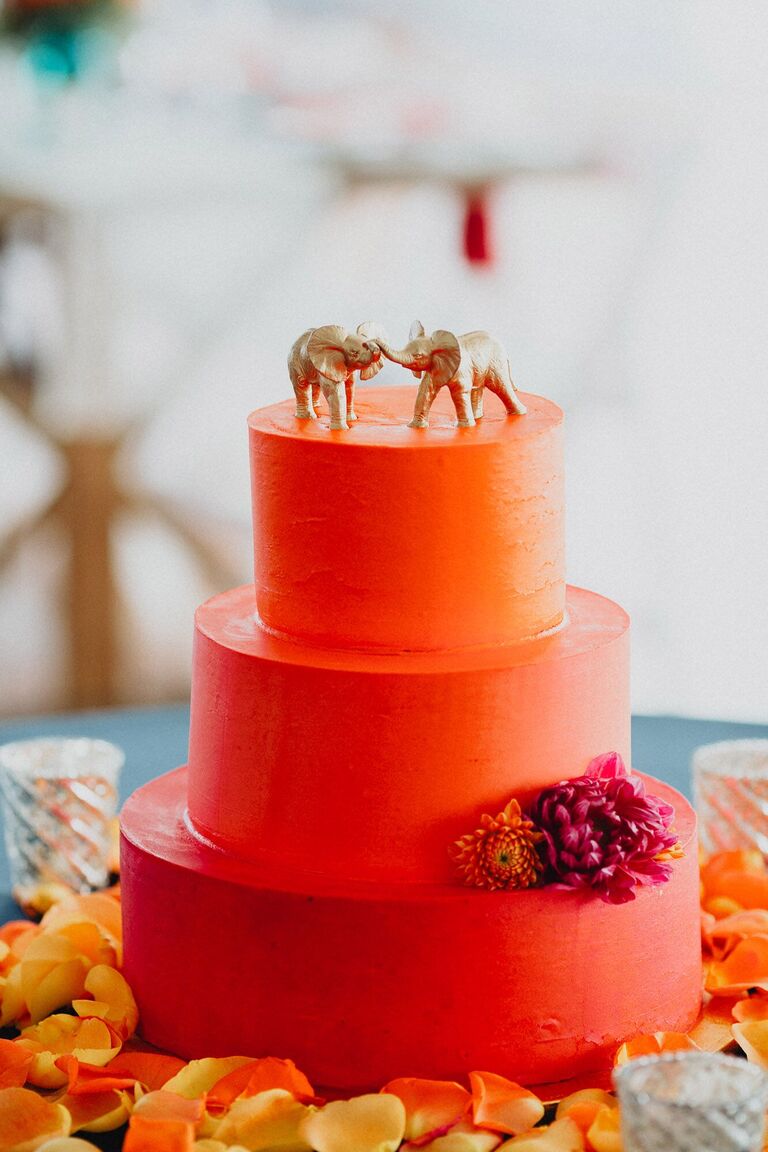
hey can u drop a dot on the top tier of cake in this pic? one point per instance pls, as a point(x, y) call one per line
point(390, 538)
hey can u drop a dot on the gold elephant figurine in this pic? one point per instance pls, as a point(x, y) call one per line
point(465, 364)
point(325, 360)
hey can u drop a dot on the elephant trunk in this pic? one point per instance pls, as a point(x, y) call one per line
point(403, 357)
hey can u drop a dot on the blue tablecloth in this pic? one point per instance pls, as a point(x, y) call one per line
point(155, 740)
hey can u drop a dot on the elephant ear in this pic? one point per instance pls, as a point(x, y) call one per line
point(417, 330)
point(370, 330)
point(446, 357)
point(325, 349)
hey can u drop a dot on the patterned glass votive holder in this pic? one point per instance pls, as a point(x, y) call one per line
point(59, 797)
point(692, 1102)
point(730, 793)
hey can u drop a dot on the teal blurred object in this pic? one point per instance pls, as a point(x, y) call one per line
point(61, 41)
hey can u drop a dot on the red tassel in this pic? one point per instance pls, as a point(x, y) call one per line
point(477, 240)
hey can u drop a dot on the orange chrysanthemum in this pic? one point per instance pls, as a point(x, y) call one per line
point(501, 853)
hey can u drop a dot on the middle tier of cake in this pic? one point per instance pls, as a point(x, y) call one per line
point(368, 766)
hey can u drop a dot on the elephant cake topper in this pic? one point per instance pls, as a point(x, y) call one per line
point(324, 360)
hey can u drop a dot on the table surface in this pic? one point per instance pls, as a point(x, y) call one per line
point(155, 741)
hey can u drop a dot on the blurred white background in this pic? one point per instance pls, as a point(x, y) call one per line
point(220, 175)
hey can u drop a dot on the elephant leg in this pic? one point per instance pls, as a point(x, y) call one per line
point(477, 403)
point(336, 396)
point(424, 399)
point(316, 393)
point(463, 406)
point(506, 392)
point(349, 387)
point(304, 406)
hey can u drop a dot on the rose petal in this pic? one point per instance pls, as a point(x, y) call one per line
point(107, 985)
point(463, 1137)
point(27, 1120)
point(91, 1040)
point(257, 1076)
point(605, 1133)
point(583, 1106)
point(744, 968)
point(68, 1144)
point(502, 1105)
point(165, 1105)
point(97, 908)
point(151, 1069)
point(562, 1136)
point(272, 1120)
point(373, 1123)
point(148, 1135)
point(752, 1038)
point(722, 864)
point(14, 1064)
point(199, 1076)
point(653, 1045)
point(431, 1106)
point(97, 1111)
point(751, 1008)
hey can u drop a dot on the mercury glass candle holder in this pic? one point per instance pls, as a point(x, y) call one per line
point(59, 797)
point(730, 790)
point(692, 1102)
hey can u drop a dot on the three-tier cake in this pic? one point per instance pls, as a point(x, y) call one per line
point(409, 659)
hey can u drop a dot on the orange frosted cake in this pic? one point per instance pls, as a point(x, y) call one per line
point(406, 842)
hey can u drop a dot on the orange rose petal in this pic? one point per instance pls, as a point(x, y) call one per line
point(14, 1006)
point(98, 908)
point(165, 1105)
point(152, 1070)
point(605, 1133)
point(108, 986)
point(68, 1144)
point(60, 987)
point(726, 863)
point(372, 1123)
point(463, 1137)
point(257, 1076)
point(562, 1136)
point(198, 1077)
point(725, 934)
point(27, 1120)
point(97, 1111)
point(583, 1106)
point(271, 1119)
point(14, 1064)
point(90, 941)
point(751, 1008)
point(752, 1038)
point(746, 967)
point(502, 1105)
point(748, 889)
point(432, 1107)
point(90, 1039)
point(13, 929)
point(653, 1045)
point(148, 1135)
point(85, 1079)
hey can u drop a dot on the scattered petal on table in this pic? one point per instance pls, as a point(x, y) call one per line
point(604, 1134)
point(198, 1077)
point(90, 1039)
point(260, 1075)
point(721, 864)
point(151, 1069)
point(83, 1079)
point(271, 1120)
point(165, 1105)
point(726, 933)
point(751, 1008)
point(27, 1120)
point(744, 968)
point(752, 1038)
point(14, 1064)
point(109, 987)
point(373, 1123)
point(148, 1135)
point(653, 1045)
point(97, 908)
point(14, 1006)
point(583, 1106)
point(432, 1107)
point(502, 1105)
point(562, 1136)
point(90, 941)
point(98, 1111)
point(68, 1144)
point(463, 1137)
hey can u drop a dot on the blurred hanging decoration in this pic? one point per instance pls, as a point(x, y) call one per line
point(478, 241)
point(59, 38)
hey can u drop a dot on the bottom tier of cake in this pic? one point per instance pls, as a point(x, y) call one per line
point(359, 982)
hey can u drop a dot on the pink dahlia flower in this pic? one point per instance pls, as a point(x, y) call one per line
point(605, 832)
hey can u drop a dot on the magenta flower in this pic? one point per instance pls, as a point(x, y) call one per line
point(603, 831)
